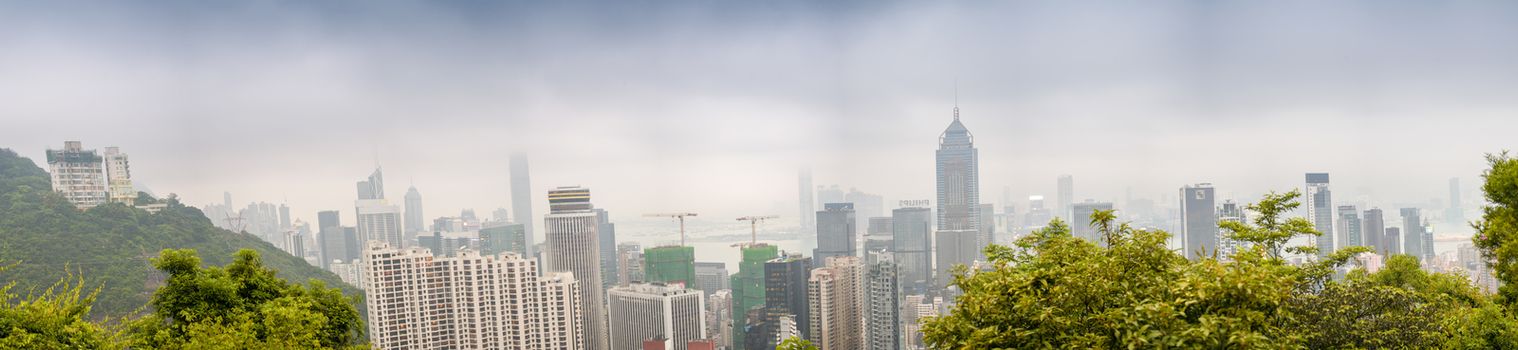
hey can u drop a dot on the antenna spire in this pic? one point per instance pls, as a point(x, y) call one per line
point(956, 98)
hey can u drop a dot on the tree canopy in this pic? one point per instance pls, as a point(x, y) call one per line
point(1053, 290)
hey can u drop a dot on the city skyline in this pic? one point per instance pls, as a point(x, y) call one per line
point(317, 102)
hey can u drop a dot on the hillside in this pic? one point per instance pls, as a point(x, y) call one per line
point(109, 245)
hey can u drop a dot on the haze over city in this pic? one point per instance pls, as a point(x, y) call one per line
point(713, 107)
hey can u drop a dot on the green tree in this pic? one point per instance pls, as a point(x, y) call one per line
point(242, 306)
point(795, 343)
point(53, 319)
point(1497, 232)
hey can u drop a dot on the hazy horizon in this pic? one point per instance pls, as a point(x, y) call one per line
point(713, 107)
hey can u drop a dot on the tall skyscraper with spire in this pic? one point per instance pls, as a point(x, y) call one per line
point(807, 201)
point(521, 198)
point(958, 193)
point(378, 220)
point(572, 244)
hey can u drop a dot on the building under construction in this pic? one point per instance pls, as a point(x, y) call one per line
point(748, 286)
point(670, 264)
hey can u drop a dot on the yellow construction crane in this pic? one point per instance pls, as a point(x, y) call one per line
point(680, 216)
point(753, 225)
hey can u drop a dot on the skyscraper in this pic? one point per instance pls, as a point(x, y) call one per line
point(1199, 221)
point(835, 304)
point(1229, 211)
point(78, 175)
point(380, 221)
point(1321, 211)
point(1455, 214)
point(882, 303)
point(414, 218)
point(1080, 221)
point(642, 311)
point(1412, 232)
point(670, 264)
point(866, 206)
point(749, 289)
point(958, 175)
point(719, 318)
point(711, 277)
point(418, 301)
point(836, 231)
point(374, 187)
point(1373, 228)
point(572, 244)
point(954, 247)
point(1393, 241)
point(987, 224)
point(629, 263)
point(118, 174)
point(807, 201)
point(499, 237)
point(284, 217)
point(608, 231)
point(1349, 226)
point(1065, 198)
point(521, 198)
point(337, 242)
point(912, 243)
point(785, 295)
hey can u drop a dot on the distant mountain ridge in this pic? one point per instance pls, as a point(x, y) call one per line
point(109, 245)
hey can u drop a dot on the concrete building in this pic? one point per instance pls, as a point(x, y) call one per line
point(711, 277)
point(572, 244)
point(835, 303)
point(378, 220)
point(499, 237)
point(912, 247)
point(1373, 229)
point(521, 199)
point(1064, 200)
point(336, 242)
point(987, 224)
point(472, 301)
point(118, 177)
point(1349, 226)
point(958, 184)
point(1230, 211)
point(1199, 221)
point(808, 202)
point(719, 318)
point(1080, 221)
point(415, 224)
point(1412, 233)
point(882, 303)
point(914, 308)
point(629, 263)
point(641, 311)
point(1393, 241)
point(951, 248)
point(1320, 209)
point(448, 243)
point(78, 174)
point(836, 231)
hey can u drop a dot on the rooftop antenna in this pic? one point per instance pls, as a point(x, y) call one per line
point(956, 98)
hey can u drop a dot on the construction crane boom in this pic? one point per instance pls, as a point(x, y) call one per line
point(753, 226)
point(680, 216)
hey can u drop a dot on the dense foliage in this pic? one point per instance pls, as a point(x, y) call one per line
point(1497, 232)
point(110, 246)
point(53, 318)
point(1055, 290)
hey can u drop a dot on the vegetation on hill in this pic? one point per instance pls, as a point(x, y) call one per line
point(1052, 290)
point(111, 246)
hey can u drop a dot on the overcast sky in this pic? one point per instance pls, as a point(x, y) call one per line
point(711, 106)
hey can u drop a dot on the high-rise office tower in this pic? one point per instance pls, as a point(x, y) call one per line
point(880, 224)
point(911, 247)
point(958, 175)
point(670, 264)
point(284, 217)
point(1412, 232)
point(118, 175)
point(807, 201)
point(338, 243)
point(472, 301)
point(877, 235)
point(1229, 211)
point(414, 219)
point(719, 318)
point(640, 311)
point(954, 247)
point(1428, 241)
point(835, 302)
point(1455, 214)
point(836, 231)
point(987, 224)
point(830, 194)
point(1080, 221)
point(882, 303)
point(572, 244)
point(1393, 241)
point(78, 175)
point(749, 290)
point(374, 187)
point(785, 294)
point(1373, 228)
point(1349, 226)
point(608, 231)
point(1038, 215)
point(521, 198)
point(711, 277)
point(499, 237)
point(380, 221)
point(1320, 209)
point(866, 206)
point(1199, 221)
point(629, 263)
point(1065, 198)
